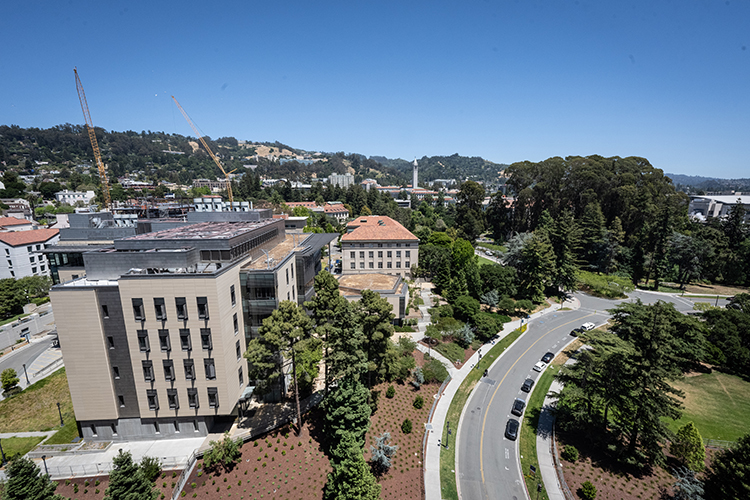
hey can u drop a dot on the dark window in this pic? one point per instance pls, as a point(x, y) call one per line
point(181, 305)
point(398, 264)
point(232, 295)
point(193, 398)
point(148, 370)
point(389, 254)
point(138, 310)
point(242, 381)
point(390, 264)
point(238, 349)
point(213, 397)
point(202, 307)
point(168, 369)
point(407, 253)
point(122, 400)
point(185, 343)
point(116, 372)
point(236, 324)
point(287, 276)
point(380, 265)
point(161, 309)
point(370, 254)
point(153, 400)
point(208, 364)
point(143, 344)
point(105, 311)
point(352, 255)
point(189, 369)
point(361, 255)
point(380, 254)
point(172, 399)
point(111, 341)
point(164, 342)
point(206, 342)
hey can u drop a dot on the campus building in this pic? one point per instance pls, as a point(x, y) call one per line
point(378, 244)
point(22, 252)
point(153, 327)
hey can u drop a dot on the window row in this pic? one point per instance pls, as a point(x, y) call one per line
point(379, 245)
point(160, 308)
point(173, 399)
point(371, 265)
point(388, 254)
point(165, 344)
point(188, 366)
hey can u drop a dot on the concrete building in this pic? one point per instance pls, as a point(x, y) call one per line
point(341, 180)
point(378, 244)
point(336, 210)
point(704, 206)
point(390, 287)
point(154, 326)
point(22, 252)
point(16, 224)
point(71, 197)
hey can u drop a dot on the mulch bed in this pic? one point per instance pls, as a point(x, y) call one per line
point(88, 487)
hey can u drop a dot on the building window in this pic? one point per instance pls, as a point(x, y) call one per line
point(407, 254)
point(371, 265)
point(407, 245)
point(33, 270)
point(287, 276)
point(193, 400)
point(389, 254)
point(121, 399)
point(361, 265)
point(116, 372)
point(380, 245)
point(164, 342)
point(371, 254)
point(28, 249)
point(138, 310)
point(32, 259)
point(161, 309)
point(189, 369)
point(105, 311)
point(390, 265)
point(242, 380)
point(206, 342)
point(380, 254)
point(168, 365)
point(232, 295)
point(407, 265)
point(398, 245)
point(181, 305)
point(210, 367)
point(361, 245)
point(380, 265)
point(148, 370)
point(361, 255)
point(185, 343)
point(213, 397)
point(353, 265)
point(353, 255)
point(398, 254)
point(236, 324)
point(238, 348)
point(111, 342)
point(143, 344)
point(153, 401)
point(174, 404)
point(398, 264)
point(202, 307)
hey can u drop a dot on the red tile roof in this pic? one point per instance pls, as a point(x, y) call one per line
point(13, 221)
point(19, 238)
point(370, 228)
point(306, 204)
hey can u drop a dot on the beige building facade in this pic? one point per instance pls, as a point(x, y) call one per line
point(378, 244)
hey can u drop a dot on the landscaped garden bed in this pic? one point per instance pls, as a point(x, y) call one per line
point(94, 487)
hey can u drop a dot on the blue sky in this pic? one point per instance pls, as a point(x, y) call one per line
point(505, 80)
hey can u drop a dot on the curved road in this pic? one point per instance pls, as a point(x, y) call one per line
point(488, 464)
point(26, 355)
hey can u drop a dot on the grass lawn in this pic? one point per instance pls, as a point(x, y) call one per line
point(35, 409)
point(19, 446)
point(14, 318)
point(448, 456)
point(484, 262)
point(718, 404)
point(451, 350)
point(491, 246)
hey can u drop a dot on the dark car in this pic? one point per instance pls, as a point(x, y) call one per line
point(518, 406)
point(548, 357)
point(576, 332)
point(511, 429)
point(527, 385)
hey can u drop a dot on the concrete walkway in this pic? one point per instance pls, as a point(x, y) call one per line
point(432, 455)
point(544, 450)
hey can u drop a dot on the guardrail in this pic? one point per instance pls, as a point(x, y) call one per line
point(558, 468)
point(104, 468)
point(185, 475)
point(717, 443)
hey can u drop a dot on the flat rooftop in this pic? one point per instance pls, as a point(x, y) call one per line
point(278, 253)
point(203, 231)
point(372, 281)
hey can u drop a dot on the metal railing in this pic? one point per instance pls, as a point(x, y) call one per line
point(104, 468)
point(717, 443)
point(558, 468)
point(185, 475)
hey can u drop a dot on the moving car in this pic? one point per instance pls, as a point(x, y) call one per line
point(539, 366)
point(548, 357)
point(527, 385)
point(511, 429)
point(588, 326)
point(518, 406)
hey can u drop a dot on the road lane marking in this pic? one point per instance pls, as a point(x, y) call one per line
point(484, 420)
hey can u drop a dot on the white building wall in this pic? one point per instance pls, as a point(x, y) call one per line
point(26, 260)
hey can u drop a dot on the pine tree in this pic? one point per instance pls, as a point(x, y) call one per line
point(26, 482)
point(351, 478)
point(564, 240)
point(347, 411)
point(688, 447)
point(536, 267)
point(127, 481)
point(374, 314)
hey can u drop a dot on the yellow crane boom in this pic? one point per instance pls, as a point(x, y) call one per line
point(94, 144)
point(210, 153)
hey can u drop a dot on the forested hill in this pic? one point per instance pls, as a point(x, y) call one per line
point(697, 184)
point(447, 167)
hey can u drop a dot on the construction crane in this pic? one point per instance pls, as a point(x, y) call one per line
point(210, 153)
point(95, 145)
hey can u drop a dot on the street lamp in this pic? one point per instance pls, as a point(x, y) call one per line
point(26, 373)
point(60, 412)
point(44, 459)
point(448, 438)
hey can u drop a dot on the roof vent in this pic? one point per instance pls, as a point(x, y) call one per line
point(363, 220)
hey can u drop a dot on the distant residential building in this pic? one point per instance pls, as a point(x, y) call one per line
point(22, 252)
point(214, 185)
point(368, 184)
point(341, 180)
point(378, 244)
point(337, 210)
point(16, 224)
point(72, 197)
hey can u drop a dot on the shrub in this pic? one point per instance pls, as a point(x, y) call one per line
point(570, 453)
point(151, 468)
point(464, 336)
point(418, 402)
point(418, 377)
point(465, 308)
point(587, 491)
point(390, 392)
point(382, 453)
point(406, 426)
point(434, 371)
point(224, 452)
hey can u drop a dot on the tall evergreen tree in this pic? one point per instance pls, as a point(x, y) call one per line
point(127, 481)
point(375, 315)
point(564, 237)
point(351, 478)
point(26, 482)
point(729, 474)
point(536, 267)
point(347, 411)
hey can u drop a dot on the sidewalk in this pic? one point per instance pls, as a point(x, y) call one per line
point(544, 445)
point(432, 454)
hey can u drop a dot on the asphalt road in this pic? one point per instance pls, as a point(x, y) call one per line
point(25, 355)
point(488, 463)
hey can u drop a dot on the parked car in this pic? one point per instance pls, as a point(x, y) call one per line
point(539, 366)
point(547, 357)
point(576, 332)
point(588, 326)
point(527, 385)
point(511, 429)
point(518, 406)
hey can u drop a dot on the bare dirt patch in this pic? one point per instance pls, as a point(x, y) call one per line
point(701, 289)
point(94, 487)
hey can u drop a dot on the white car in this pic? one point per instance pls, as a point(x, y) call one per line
point(539, 366)
point(588, 326)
